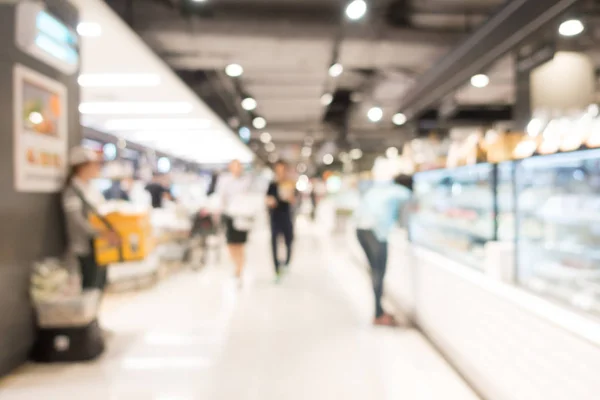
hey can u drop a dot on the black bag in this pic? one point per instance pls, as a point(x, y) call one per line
point(68, 344)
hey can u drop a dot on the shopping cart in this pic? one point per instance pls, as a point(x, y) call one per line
point(205, 236)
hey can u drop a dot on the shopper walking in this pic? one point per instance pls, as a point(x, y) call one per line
point(159, 190)
point(233, 190)
point(379, 211)
point(281, 197)
point(81, 200)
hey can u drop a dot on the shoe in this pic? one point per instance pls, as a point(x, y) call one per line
point(278, 276)
point(386, 320)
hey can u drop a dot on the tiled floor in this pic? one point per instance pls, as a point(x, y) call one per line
point(196, 336)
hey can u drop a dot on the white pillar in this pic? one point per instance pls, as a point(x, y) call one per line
point(563, 84)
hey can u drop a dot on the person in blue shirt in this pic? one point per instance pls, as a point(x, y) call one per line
point(379, 211)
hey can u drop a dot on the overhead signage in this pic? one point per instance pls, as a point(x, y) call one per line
point(45, 37)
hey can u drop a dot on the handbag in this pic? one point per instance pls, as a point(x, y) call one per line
point(102, 219)
point(243, 209)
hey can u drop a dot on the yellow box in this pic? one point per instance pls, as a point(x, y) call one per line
point(135, 231)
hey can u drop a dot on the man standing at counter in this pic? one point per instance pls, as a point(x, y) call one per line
point(379, 211)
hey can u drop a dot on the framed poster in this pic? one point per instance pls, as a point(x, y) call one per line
point(40, 132)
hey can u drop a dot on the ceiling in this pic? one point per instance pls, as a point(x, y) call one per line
point(190, 131)
point(286, 48)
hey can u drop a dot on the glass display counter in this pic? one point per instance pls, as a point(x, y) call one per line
point(455, 212)
point(558, 227)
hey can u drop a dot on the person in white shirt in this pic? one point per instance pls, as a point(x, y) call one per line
point(233, 190)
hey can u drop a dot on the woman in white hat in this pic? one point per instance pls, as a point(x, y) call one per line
point(80, 199)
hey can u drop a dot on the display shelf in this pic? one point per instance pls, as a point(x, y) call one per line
point(455, 212)
point(558, 227)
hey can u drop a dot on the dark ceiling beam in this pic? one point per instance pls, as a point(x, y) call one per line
point(513, 23)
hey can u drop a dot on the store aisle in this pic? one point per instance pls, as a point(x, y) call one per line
point(196, 337)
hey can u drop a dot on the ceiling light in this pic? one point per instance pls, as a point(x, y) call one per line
point(89, 29)
point(270, 147)
point(163, 165)
point(249, 104)
point(375, 114)
point(156, 123)
point(336, 70)
point(572, 27)
point(265, 137)
point(327, 159)
point(259, 123)
point(399, 119)
point(302, 168)
point(480, 80)
point(118, 80)
point(234, 70)
point(273, 158)
point(306, 152)
point(302, 183)
point(119, 107)
point(309, 140)
point(356, 10)
point(392, 152)
point(356, 154)
point(326, 99)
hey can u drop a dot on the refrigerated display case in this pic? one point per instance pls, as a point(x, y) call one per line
point(455, 212)
point(505, 198)
point(558, 227)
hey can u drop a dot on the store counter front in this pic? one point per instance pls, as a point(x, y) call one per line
point(500, 273)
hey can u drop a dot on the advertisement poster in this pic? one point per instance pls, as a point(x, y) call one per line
point(40, 132)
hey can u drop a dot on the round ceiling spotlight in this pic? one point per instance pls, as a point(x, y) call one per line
point(270, 147)
point(234, 70)
point(572, 27)
point(273, 158)
point(306, 152)
point(336, 70)
point(399, 119)
point(356, 10)
point(327, 159)
point(326, 99)
point(375, 114)
point(259, 123)
point(356, 154)
point(249, 104)
point(480, 81)
point(265, 137)
point(302, 168)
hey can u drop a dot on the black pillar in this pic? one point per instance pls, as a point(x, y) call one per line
point(31, 223)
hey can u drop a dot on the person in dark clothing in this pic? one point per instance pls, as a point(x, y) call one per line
point(280, 199)
point(212, 187)
point(119, 190)
point(159, 190)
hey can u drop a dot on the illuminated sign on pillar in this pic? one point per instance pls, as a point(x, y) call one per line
point(45, 37)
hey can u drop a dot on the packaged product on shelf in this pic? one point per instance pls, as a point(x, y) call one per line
point(51, 279)
point(502, 146)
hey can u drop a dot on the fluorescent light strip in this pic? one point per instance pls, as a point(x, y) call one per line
point(154, 124)
point(89, 29)
point(119, 80)
point(136, 108)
